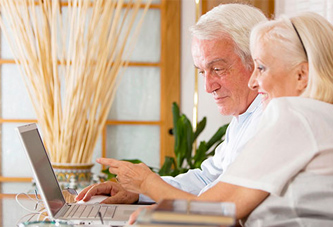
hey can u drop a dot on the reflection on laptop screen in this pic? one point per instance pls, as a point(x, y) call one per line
point(43, 170)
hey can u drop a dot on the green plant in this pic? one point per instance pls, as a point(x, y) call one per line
point(185, 138)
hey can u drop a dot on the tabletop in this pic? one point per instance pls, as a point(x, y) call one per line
point(22, 208)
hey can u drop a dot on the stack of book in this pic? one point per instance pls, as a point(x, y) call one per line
point(188, 213)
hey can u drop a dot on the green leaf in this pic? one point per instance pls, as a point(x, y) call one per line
point(175, 116)
point(184, 141)
point(200, 127)
point(180, 149)
point(217, 136)
point(212, 152)
point(108, 174)
point(166, 169)
point(189, 139)
point(134, 161)
point(200, 155)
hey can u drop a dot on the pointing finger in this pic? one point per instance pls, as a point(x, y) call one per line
point(108, 161)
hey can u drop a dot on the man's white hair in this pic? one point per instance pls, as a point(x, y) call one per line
point(233, 21)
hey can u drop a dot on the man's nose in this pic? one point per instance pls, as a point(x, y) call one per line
point(210, 82)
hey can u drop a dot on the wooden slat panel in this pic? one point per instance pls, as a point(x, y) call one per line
point(267, 6)
point(152, 6)
point(133, 64)
point(108, 122)
point(15, 179)
point(18, 120)
point(170, 72)
point(7, 196)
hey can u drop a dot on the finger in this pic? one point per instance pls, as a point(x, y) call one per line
point(134, 216)
point(98, 189)
point(83, 193)
point(108, 162)
point(119, 198)
point(112, 200)
point(114, 170)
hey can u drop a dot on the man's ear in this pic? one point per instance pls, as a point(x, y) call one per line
point(303, 76)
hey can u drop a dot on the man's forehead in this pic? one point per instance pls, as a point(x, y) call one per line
point(209, 52)
point(207, 63)
point(217, 60)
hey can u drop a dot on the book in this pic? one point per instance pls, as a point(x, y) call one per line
point(189, 213)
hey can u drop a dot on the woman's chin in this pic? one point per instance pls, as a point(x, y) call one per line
point(265, 100)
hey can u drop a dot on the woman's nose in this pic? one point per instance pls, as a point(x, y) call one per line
point(253, 83)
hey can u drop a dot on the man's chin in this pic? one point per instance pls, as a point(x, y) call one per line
point(225, 112)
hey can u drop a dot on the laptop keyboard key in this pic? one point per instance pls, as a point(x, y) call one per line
point(103, 210)
point(94, 212)
point(67, 214)
point(72, 210)
point(109, 213)
point(79, 211)
point(87, 211)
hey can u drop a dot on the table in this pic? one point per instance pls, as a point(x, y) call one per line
point(11, 213)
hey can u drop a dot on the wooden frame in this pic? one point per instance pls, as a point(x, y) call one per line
point(267, 6)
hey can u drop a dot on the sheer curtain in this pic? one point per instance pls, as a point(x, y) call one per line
point(290, 7)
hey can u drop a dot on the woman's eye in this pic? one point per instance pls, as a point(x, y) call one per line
point(261, 68)
point(201, 72)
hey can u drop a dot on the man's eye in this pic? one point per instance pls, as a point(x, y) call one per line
point(201, 72)
point(219, 71)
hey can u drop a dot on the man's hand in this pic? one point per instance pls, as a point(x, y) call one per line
point(118, 195)
point(132, 177)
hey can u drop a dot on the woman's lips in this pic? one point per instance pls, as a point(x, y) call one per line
point(264, 96)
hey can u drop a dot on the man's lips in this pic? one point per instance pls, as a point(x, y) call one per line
point(219, 98)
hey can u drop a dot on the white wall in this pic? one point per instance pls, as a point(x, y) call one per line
point(207, 106)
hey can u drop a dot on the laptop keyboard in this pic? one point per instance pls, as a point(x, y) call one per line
point(90, 211)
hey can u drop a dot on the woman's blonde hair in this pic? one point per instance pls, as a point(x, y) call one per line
point(307, 37)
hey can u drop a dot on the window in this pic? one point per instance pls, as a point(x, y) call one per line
point(140, 118)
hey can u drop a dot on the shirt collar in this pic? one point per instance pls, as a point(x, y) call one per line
point(254, 105)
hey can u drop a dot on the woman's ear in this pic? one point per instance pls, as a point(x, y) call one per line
point(303, 76)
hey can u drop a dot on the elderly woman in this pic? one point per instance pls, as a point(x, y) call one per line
point(284, 176)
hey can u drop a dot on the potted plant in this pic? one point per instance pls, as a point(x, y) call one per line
point(185, 157)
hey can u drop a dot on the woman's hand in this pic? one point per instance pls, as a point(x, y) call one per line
point(136, 213)
point(132, 177)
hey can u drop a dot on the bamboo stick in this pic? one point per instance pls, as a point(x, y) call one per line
point(76, 95)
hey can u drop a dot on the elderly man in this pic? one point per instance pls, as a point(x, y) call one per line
point(220, 50)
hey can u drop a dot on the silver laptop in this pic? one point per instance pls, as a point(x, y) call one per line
point(54, 201)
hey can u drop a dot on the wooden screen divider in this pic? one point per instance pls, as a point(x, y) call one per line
point(170, 83)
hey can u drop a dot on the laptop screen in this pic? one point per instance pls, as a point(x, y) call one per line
point(44, 175)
